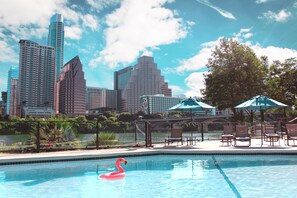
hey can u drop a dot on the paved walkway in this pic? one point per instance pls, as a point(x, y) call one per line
point(206, 147)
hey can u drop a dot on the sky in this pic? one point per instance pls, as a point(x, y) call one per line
point(109, 35)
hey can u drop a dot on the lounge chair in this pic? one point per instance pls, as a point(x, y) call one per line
point(291, 133)
point(270, 135)
point(241, 135)
point(175, 136)
point(228, 135)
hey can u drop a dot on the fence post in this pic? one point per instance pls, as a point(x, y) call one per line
point(146, 132)
point(148, 135)
point(135, 134)
point(38, 137)
point(97, 135)
point(202, 132)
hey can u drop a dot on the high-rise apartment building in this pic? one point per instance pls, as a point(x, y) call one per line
point(12, 78)
point(36, 75)
point(101, 98)
point(56, 40)
point(142, 79)
point(72, 89)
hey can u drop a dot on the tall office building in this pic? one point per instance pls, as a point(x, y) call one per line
point(95, 98)
point(13, 75)
point(158, 103)
point(56, 40)
point(72, 89)
point(121, 79)
point(142, 79)
point(100, 98)
point(36, 75)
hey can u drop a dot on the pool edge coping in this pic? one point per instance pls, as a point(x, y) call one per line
point(40, 158)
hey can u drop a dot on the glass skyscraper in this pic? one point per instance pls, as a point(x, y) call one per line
point(13, 74)
point(56, 40)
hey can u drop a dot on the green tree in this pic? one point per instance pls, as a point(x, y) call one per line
point(126, 117)
point(283, 76)
point(235, 75)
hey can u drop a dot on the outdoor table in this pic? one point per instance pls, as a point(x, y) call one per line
point(228, 139)
point(273, 138)
point(191, 139)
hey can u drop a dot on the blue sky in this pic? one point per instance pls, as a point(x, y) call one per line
point(108, 35)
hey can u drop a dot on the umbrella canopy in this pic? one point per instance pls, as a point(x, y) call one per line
point(191, 103)
point(260, 103)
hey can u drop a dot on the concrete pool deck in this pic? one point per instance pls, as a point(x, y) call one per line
point(206, 147)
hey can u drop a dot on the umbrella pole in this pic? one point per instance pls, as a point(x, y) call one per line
point(262, 120)
point(191, 122)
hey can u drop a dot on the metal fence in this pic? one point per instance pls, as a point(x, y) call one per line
point(40, 136)
point(36, 136)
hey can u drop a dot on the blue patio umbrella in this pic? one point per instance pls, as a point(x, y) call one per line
point(190, 104)
point(261, 103)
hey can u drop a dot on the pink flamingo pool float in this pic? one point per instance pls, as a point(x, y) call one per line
point(116, 175)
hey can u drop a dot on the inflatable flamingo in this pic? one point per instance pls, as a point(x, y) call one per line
point(116, 175)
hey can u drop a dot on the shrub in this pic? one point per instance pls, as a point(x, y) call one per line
point(105, 139)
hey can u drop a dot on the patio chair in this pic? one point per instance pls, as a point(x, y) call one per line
point(291, 133)
point(270, 134)
point(228, 135)
point(241, 135)
point(256, 130)
point(175, 136)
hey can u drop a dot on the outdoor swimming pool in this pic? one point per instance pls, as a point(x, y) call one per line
point(156, 176)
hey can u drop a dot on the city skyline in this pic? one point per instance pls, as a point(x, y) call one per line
point(111, 35)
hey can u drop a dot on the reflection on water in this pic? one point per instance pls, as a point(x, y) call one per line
point(144, 175)
point(33, 174)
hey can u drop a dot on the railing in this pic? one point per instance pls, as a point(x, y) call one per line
point(38, 136)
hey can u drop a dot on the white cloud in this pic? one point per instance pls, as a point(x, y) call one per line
point(261, 1)
point(90, 21)
point(15, 12)
point(175, 88)
point(247, 35)
point(196, 62)
point(19, 16)
point(30, 20)
point(7, 54)
point(200, 60)
point(137, 26)
point(101, 4)
point(224, 13)
point(281, 16)
point(191, 23)
point(274, 53)
point(147, 53)
point(73, 32)
point(195, 82)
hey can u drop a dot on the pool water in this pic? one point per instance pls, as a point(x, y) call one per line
point(156, 176)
